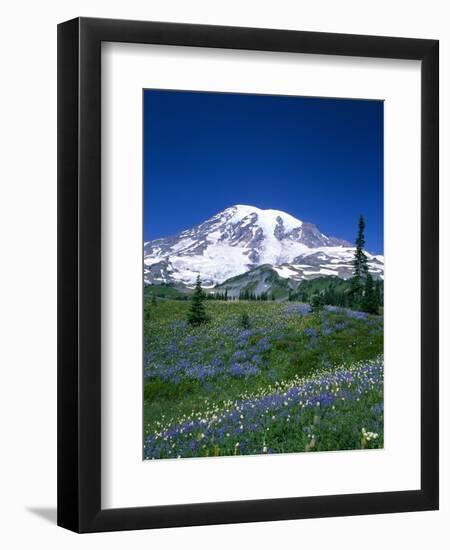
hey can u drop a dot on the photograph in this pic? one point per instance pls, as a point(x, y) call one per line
point(263, 274)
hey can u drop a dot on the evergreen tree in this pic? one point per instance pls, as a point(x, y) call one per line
point(360, 267)
point(369, 302)
point(360, 260)
point(226, 295)
point(197, 313)
point(154, 300)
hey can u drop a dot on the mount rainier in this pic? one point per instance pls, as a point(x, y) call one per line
point(243, 238)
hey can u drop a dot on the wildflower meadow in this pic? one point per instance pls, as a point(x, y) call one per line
point(260, 378)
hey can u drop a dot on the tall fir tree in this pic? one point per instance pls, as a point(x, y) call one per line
point(197, 313)
point(360, 267)
point(360, 260)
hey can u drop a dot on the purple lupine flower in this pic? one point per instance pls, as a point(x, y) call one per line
point(298, 309)
point(239, 356)
point(263, 344)
point(358, 315)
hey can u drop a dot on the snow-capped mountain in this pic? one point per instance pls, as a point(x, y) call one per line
point(241, 238)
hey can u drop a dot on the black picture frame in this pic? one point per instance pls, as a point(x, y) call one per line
point(79, 274)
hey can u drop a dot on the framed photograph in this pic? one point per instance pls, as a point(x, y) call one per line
point(247, 276)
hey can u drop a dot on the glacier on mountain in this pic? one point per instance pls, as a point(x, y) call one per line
point(241, 238)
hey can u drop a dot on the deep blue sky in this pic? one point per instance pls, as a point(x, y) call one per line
point(320, 160)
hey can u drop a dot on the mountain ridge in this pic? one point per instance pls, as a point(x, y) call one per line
point(243, 237)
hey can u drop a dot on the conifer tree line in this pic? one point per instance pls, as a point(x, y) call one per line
point(336, 293)
point(219, 296)
point(364, 293)
point(243, 295)
point(262, 297)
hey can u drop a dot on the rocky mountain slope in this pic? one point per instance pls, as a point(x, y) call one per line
point(242, 238)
